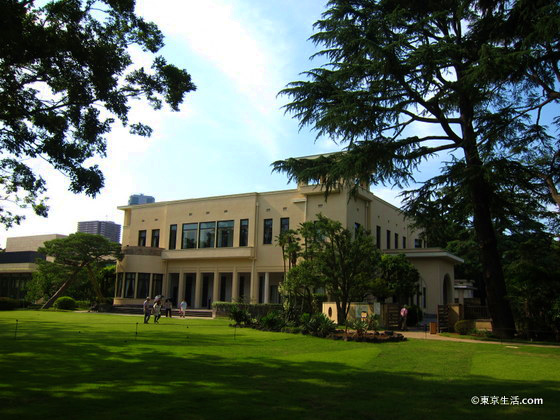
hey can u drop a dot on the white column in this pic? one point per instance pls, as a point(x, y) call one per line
point(181, 292)
point(254, 282)
point(216, 287)
point(198, 289)
point(266, 287)
point(234, 285)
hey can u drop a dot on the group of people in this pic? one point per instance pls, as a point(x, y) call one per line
point(160, 305)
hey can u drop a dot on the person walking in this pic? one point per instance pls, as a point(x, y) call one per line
point(147, 310)
point(167, 306)
point(404, 314)
point(157, 312)
point(183, 308)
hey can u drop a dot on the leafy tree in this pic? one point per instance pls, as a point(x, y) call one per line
point(66, 73)
point(344, 263)
point(80, 255)
point(458, 68)
point(399, 276)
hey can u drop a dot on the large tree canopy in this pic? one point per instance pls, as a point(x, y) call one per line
point(475, 78)
point(80, 255)
point(65, 73)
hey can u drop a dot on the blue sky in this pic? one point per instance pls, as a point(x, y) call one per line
point(240, 54)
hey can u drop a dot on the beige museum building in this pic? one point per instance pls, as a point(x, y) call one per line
point(224, 248)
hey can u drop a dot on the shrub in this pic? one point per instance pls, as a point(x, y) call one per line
point(360, 325)
point(257, 310)
point(318, 325)
point(239, 315)
point(65, 302)
point(373, 322)
point(8, 304)
point(83, 304)
point(272, 321)
point(463, 327)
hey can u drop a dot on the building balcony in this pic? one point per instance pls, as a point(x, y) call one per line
point(208, 253)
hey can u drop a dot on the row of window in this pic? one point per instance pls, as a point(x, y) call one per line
point(220, 235)
point(417, 242)
point(138, 286)
point(212, 234)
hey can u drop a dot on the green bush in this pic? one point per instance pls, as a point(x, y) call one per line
point(8, 304)
point(463, 327)
point(65, 302)
point(83, 304)
point(318, 325)
point(273, 321)
point(257, 310)
point(360, 325)
point(239, 315)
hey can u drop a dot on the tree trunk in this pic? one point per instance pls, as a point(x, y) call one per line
point(58, 293)
point(492, 272)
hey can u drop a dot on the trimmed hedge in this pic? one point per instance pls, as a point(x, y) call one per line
point(257, 310)
point(9, 304)
point(65, 302)
point(464, 326)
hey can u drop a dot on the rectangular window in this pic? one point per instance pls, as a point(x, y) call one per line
point(418, 243)
point(225, 234)
point(118, 292)
point(388, 239)
point(243, 232)
point(207, 235)
point(129, 280)
point(157, 284)
point(155, 238)
point(189, 235)
point(143, 285)
point(267, 234)
point(404, 242)
point(378, 236)
point(172, 236)
point(142, 238)
point(423, 297)
point(284, 224)
point(356, 227)
point(396, 240)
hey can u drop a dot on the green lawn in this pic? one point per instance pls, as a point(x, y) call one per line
point(93, 366)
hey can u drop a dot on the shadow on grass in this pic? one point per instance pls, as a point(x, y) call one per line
point(60, 374)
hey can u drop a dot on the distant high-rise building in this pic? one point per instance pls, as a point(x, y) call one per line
point(110, 230)
point(140, 199)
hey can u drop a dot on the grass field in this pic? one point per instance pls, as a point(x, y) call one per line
point(64, 365)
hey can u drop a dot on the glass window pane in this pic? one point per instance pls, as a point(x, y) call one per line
point(225, 234)
point(172, 236)
point(189, 235)
point(207, 235)
point(244, 232)
point(267, 236)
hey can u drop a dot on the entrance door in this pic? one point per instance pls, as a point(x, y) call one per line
point(174, 288)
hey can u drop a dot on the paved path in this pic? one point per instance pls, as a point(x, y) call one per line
point(427, 336)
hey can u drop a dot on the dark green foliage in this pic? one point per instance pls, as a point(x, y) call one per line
point(361, 326)
point(240, 315)
point(273, 321)
point(318, 325)
point(398, 278)
point(464, 327)
point(405, 81)
point(80, 257)
point(256, 310)
point(65, 302)
point(334, 259)
point(66, 74)
point(8, 304)
point(533, 276)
